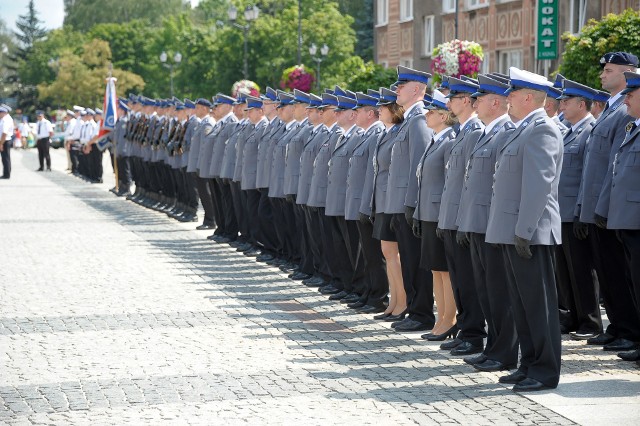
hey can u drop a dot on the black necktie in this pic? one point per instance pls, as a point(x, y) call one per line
point(39, 128)
point(566, 136)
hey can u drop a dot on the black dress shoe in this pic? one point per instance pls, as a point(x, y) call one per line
point(276, 261)
point(447, 346)
point(288, 267)
point(252, 252)
point(40, 170)
point(450, 333)
point(314, 281)
point(329, 289)
point(601, 339)
point(381, 316)
point(491, 365)
point(356, 305)
point(397, 323)
point(582, 335)
point(223, 240)
point(412, 325)
point(630, 356)
point(368, 309)
point(466, 348)
point(475, 359)
point(264, 257)
point(339, 295)
point(513, 378)
point(299, 276)
point(244, 247)
point(351, 298)
point(530, 385)
point(620, 344)
point(396, 317)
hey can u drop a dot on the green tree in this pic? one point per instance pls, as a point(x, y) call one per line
point(80, 78)
point(362, 13)
point(30, 32)
point(272, 41)
point(613, 33)
point(84, 14)
point(372, 76)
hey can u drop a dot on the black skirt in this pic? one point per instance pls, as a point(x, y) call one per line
point(432, 257)
point(382, 229)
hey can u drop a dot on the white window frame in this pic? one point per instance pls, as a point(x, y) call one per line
point(477, 4)
point(581, 8)
point(485, 68)
point(382, 13)
point(449, 6)
point(509, 58)
point(428, 35)
point(406, 10)
point(406, 62)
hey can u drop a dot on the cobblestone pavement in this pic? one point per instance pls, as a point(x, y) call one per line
point(114, 314)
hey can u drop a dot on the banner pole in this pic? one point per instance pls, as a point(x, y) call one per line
point(114, 142)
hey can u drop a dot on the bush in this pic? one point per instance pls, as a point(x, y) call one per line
point(614, 33)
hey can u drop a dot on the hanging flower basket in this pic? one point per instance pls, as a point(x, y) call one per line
point(297, 77)
point(245, 87)
point(455, 58)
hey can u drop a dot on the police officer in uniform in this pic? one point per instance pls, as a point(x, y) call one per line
point(577, 289)
point(524, 219)
point(501, 350)
point(470, 319)
point(6, 140)
point(402, 196)
point(618, 206)
point(605, 139)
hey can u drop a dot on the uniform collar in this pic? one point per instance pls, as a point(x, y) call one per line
point(491, 125)
point(579, 123)
point(411, 108)
point(535, 111)
point(441, 133)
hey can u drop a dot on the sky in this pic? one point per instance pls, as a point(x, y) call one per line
point(51, 12)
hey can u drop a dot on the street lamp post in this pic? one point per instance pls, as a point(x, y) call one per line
point(177, 58)
point(324, 51)
point(250, 14)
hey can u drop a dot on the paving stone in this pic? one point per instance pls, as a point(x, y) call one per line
point(128, 317)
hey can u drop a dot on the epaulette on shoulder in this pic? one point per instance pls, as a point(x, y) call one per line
point(539, 121)
point(509, 125)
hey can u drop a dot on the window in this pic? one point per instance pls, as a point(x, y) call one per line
point(385, 64)
point(577, 15)
point(407, 62)
point(474, 4)
point(449, 6)
point(382, 12)
point(428, 38)
point(485, 68)
point(510, 58)
point(406, 10)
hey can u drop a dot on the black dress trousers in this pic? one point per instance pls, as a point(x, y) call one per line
point(301, 238)
point(418, 283)
point(204, 193)
point(532, 292)
point(615, 286)
point(6, 159)
point(492, 288)
point(631, 243)
point(267, 234)
point(577, 288)
point(314, 227)
point(374, 266)
point(470, 318)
